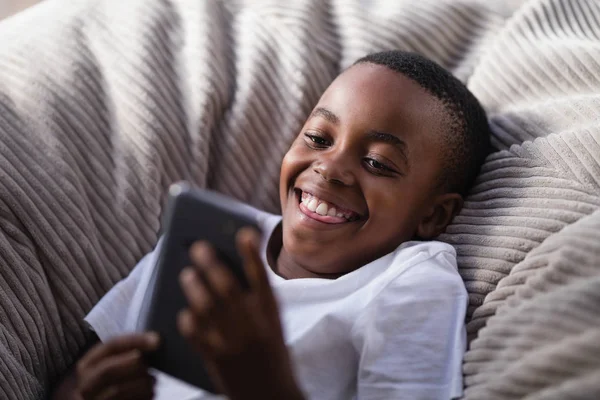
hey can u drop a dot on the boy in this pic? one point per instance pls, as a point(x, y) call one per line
point(344, 302)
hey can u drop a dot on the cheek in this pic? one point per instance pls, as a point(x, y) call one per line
point(390, 213)
point(382, 196)
point(395, 209)
point(294, 162)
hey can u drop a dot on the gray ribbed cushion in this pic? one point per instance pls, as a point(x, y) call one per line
point(544, 341)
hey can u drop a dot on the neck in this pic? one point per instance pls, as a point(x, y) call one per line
point(284, 265)
point(287, 268)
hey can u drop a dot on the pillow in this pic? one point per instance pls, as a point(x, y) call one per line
point(540, 83)
point(543, 340)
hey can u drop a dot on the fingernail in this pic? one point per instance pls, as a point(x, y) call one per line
point(152, 338)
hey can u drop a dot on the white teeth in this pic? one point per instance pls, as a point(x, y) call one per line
point(322, 209)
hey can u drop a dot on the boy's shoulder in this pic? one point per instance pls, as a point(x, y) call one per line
point(425, 266)
point(427, 249)
point(419, 277)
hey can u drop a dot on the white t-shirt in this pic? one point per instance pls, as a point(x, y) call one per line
point(393, 329)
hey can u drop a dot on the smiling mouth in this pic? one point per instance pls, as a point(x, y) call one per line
point(323, 211)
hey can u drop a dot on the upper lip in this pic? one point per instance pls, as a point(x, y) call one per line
point(331, 198)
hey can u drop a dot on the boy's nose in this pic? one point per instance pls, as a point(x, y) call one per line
point(334, 171)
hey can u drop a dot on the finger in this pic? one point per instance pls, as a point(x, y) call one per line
point(203, 253)
point(141, 388)
point(144, 342)
point(189, 325)
point(215, 274)
point(200, 300)
point(203, 337)
point(248, 241)
point(112, 370)
point(223, 285)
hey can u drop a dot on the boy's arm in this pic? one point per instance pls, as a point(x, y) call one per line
point(411, 338)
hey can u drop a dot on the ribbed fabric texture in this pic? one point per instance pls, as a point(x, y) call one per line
point(104, 103)
point(543, 342)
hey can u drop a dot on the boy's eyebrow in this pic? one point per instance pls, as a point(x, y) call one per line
point(376, 136)
point(325, 113)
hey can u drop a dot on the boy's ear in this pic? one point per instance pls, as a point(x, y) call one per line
point(443, 209)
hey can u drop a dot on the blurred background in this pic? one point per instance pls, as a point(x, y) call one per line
point(9, 7)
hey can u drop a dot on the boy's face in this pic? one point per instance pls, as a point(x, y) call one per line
point(371, 150)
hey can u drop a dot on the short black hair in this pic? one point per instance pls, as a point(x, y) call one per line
point(468, 138)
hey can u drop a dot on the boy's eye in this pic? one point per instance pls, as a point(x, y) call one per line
point(378, 167)
point(317, 141)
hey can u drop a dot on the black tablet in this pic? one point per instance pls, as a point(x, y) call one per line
point(192, 214)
